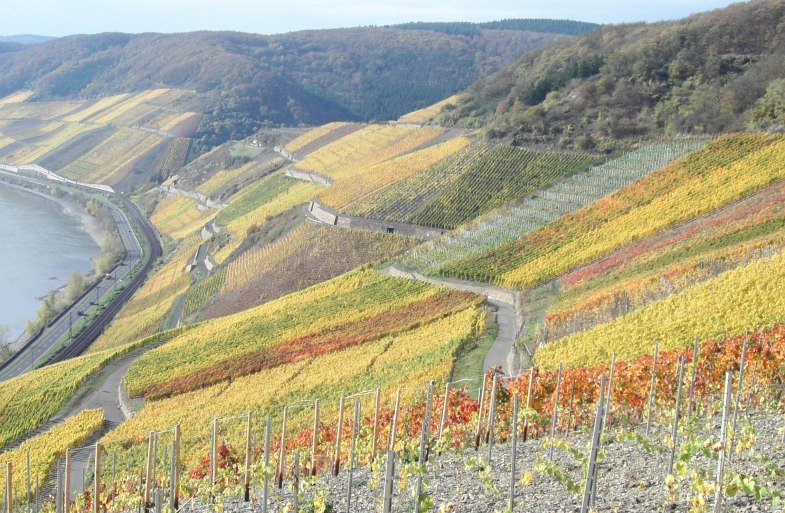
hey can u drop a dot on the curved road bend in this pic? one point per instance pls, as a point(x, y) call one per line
point(502, 299)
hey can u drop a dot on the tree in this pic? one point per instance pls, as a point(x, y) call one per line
point(75, 287)
point(5, 342)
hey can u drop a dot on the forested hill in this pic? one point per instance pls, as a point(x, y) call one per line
point(713, 72)
point(249, 80)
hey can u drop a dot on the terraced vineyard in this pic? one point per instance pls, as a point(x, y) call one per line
point(703, 181)
point(29, 400)
point(349, 155)
point(101, 140)
point(708, 310)
point(45, 449)
point(428, 113)
point(357, 295)
point(179, 217)
point(403, 358)
point(353, 188)
point(312, 135)
point(545, 206)
point(146, 312)
point(668, 262)
point(308, 255)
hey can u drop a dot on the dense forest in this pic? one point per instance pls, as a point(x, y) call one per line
point(248, 81)
point(712, 72)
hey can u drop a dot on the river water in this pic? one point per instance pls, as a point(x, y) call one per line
point(40, 246)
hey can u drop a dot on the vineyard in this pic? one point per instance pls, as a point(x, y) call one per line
point(95, 141)
point(179, 217)
point(401, 360)
point(311, 136)
point(308, 255)
point(203, 291)
point(428, 113)
point(44, 450)
point(147, 310)
point(31, 399)
point(453, 449)
point(567, 195)
point(669, 261)
point(697, 184)
point(297, 193)
point(357, 296)
point(354, 188)
point(734, 302)
point(350, 155)
point(472, 182)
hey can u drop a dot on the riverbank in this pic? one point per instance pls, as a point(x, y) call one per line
point(40, 254)
point(70, 209)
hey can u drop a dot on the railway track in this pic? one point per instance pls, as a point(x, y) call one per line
point(102, 320)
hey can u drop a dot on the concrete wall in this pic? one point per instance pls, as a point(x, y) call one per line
point(327, 216)
point(308, 177)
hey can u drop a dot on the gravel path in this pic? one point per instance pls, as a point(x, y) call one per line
point(631, 478)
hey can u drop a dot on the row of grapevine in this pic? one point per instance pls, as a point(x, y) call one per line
point(349, 298)
point(44, 449)
point(532, 213)
point(347, 156)
point(669, 261)
point(733, 302)
point(202, 292)
point(399, 360)
point(351, 189)
point(308, 255)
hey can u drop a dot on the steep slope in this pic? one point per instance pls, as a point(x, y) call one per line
point(709, 73)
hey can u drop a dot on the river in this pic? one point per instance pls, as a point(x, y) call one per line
point(40, 247)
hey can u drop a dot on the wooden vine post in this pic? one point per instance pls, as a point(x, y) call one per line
point(739, 392)
point(148, 481)
point(605, 423)
point(528, 405)
point(590, 487)
point(555, 417)
point(492, 417)
point(423, 457)
point(675, 434)
point(314, 437)
point(389, 475)
point(376, 405)
point(9, 488)
point(355, 432)
point(514, 432)
point(443, 418)
point(693, 372)
point(394, 424)
point(337, 459)
point(282, 450)
point(719, 494)
point(213, 452)
point(174, 481)
point(266, 490)
point(248, 457)
point(97, 479)
point(477, 434)
point(652, 389)
point(67, 481)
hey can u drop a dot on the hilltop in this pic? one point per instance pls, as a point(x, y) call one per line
point(249, 80)
point(712, 72)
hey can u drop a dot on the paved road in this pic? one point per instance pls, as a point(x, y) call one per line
point(53, 333)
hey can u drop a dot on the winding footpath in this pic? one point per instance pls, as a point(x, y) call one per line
point(502, 353)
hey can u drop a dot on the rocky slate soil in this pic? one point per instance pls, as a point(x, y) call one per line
point(631, 478)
